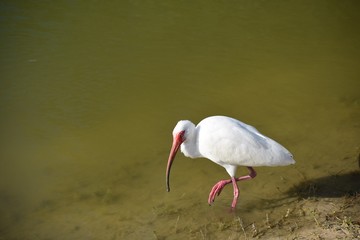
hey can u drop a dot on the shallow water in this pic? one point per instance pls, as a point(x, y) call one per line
point(90, 93)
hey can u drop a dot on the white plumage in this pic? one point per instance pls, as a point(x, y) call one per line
point(229, 143)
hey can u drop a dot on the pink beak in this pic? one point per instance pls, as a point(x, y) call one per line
point(177, 141)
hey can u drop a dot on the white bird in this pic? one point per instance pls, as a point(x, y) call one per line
point(229, 143)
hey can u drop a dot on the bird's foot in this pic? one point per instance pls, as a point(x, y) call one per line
point(216, 190)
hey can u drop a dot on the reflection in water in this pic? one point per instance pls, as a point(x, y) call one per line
point(89, 94)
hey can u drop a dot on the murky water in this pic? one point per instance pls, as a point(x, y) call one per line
point(90, 92)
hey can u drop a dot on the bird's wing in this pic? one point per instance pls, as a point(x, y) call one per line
point(236, 143)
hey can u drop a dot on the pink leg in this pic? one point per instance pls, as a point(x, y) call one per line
point(216, 190)
point(236, 193)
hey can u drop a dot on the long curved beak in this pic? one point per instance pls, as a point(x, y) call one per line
point(175, 147)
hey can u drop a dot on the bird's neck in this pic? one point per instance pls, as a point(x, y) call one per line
point(190, 147)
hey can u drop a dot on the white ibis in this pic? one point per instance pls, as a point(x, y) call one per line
point(229, 143)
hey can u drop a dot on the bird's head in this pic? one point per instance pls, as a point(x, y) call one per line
point(180, 133)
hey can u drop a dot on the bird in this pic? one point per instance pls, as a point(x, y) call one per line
point(229, 143)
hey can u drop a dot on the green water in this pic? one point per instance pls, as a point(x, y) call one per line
point(90, 92)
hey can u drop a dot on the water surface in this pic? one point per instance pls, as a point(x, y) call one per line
point(90, 93)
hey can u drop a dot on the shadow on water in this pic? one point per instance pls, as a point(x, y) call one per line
point(333, 186)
